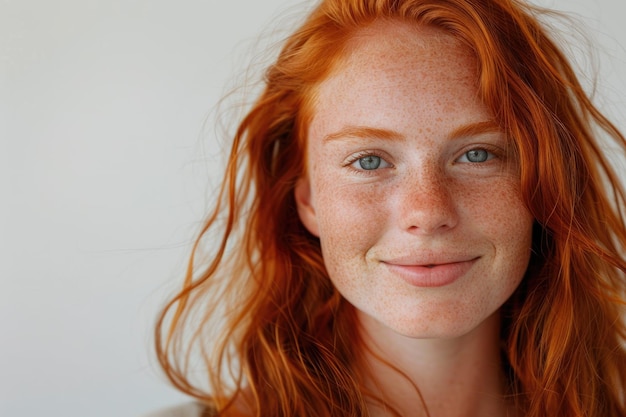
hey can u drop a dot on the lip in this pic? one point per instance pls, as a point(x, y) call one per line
point(430, 275)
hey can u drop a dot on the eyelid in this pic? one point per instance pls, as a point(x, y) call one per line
point(492, 150)
point(352, 159)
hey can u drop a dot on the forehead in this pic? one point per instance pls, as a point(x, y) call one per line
point(387, 48)
point(401, 37)
point(392, 67)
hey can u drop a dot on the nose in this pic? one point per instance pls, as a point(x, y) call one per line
point(425, 202)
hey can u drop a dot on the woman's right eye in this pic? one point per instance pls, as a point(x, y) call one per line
point(369, 162)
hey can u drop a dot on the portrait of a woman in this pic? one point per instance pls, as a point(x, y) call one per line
point(418, 218)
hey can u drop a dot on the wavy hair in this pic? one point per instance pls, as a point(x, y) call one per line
point(260, 311)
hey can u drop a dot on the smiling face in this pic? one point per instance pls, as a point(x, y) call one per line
point(410, 188)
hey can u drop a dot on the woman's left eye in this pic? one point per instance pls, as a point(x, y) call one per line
point(477, 155)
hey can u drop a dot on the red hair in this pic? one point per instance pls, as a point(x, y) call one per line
point(262, 312)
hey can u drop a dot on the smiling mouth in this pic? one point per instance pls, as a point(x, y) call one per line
point(431, 275)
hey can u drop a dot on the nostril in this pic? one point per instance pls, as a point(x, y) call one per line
point(427, 206)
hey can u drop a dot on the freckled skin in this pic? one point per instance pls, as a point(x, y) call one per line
point(426, 200)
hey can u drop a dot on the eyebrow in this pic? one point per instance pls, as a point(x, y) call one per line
point(472, 129)
point(364, 132)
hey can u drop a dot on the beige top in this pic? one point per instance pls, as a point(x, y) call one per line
point(183, 410)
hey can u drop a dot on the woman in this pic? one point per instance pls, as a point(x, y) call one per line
point(417, 219)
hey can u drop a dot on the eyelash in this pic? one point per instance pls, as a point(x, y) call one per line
point(364, 154)
point(493, 151)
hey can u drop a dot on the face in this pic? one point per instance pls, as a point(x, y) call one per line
point(410, 187)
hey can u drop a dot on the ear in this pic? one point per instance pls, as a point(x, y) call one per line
point(304, 204)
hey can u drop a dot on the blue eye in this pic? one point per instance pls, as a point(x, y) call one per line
point(476, 156)
point(370, 162)
point(367, 161)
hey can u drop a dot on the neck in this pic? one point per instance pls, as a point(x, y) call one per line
point(435, 377)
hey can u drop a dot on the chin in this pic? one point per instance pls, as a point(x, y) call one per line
point(443, 326)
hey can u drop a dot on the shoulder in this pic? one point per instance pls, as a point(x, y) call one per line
point(184, 410)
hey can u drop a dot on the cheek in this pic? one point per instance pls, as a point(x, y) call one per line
point(502, 218)
point(348, 215)
point(351, 218)
point(496, 208)
point(497, 214)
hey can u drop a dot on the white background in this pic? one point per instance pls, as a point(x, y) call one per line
point(107, 153)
